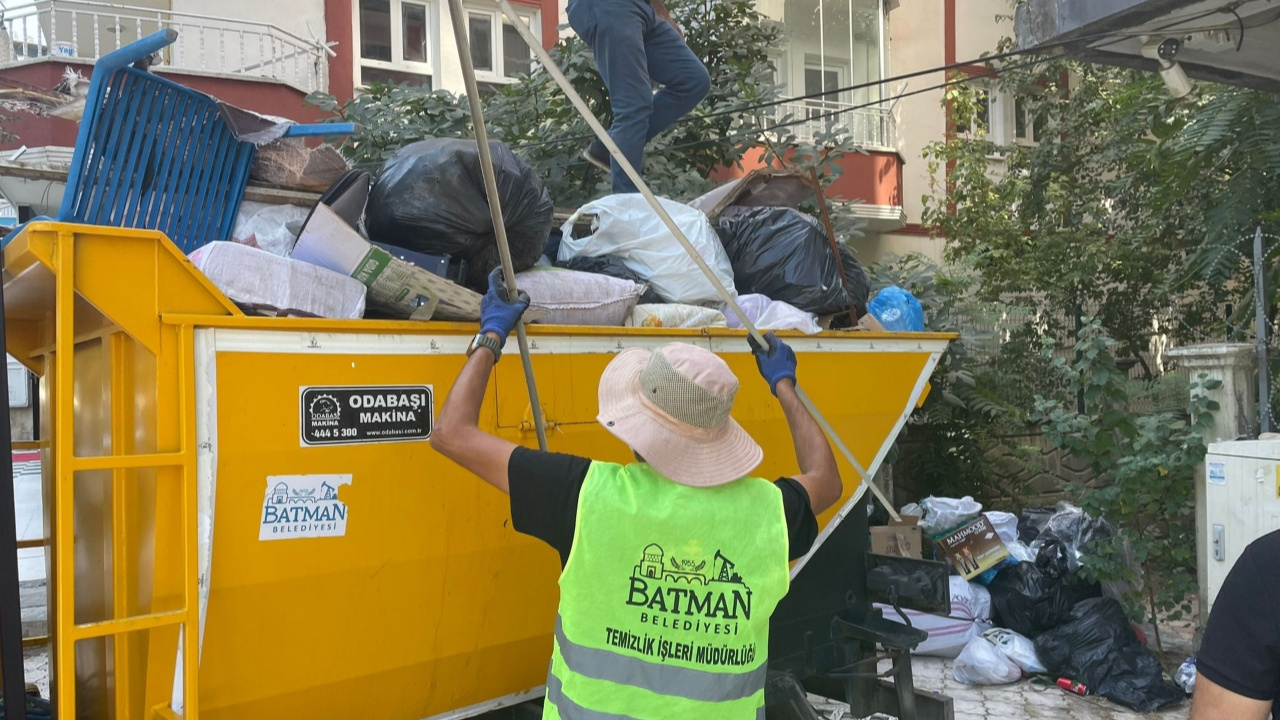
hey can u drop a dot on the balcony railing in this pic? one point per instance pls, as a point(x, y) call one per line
point(870, 127)
point(86, 30)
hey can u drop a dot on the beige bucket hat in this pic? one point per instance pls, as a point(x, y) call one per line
point(672, 407)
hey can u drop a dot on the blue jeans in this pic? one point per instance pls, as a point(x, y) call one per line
point(635, 49)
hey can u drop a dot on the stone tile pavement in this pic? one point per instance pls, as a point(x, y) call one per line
point(1023, 700)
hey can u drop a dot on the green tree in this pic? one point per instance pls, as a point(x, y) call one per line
point(980, 390)
point(1132, 206)
point(1145, 463)
point(535, 118)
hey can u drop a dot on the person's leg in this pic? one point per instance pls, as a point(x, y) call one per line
point(615, 30)
point(684, 78)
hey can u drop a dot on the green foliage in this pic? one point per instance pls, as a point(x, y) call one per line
point(388, 117)
point(945, 449)
point(1132, 206)
point(535, 118)
point(1145, 463)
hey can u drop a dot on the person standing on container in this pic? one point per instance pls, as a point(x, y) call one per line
point(673, 564)
point(636, 44)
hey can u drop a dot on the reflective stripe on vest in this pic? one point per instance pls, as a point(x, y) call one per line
point(567, 709)
point(688, 683)
point(665, 599)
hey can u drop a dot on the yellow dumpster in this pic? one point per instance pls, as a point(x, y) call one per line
point(248, 520)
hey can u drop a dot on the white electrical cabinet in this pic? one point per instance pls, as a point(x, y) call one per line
point(1242, 502)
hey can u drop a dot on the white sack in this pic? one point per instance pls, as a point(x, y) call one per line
point(981, 663)
point(1018, 648)
point(579, 298)
point(256, 277)
point(628, 229)
point(970, 617)
point(768, 314)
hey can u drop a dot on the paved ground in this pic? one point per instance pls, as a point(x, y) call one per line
point(26, 478)
point(1023, 700)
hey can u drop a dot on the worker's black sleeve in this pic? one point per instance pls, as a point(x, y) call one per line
point(544, 500)
point(1241, 648)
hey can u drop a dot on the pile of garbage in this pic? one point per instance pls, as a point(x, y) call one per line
point(419, 242)
point(1020, 606)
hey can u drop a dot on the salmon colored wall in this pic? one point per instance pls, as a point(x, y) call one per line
point(875, 178)
point(36, 131)
point(339, 22)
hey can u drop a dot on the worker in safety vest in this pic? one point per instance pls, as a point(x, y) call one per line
point(673, 564)
point(637, 45)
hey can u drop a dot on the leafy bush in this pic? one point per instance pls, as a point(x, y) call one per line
point(1145, 463)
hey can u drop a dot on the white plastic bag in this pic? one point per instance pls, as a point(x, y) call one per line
point(768, 314)
point(970, 617)
point(1020, 552)
point(273, 228)
point(945, 514)
point(1018, 648)
point(628, 229)
point(1185, 678)
point(981, 663)
point(579, 298)
point(674, 315)
point(1005, 524)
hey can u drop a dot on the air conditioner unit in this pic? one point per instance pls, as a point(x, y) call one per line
point(1242, 503)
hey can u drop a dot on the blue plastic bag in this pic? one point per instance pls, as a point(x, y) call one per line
point(897, 310)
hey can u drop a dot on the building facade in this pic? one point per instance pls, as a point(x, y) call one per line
point(267, 57)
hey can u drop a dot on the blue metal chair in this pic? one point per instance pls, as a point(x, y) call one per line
point(156, 155)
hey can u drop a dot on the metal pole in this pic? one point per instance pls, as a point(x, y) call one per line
point(1260, 308)
point(729, 299)
point(495, 204)
point(14, 680)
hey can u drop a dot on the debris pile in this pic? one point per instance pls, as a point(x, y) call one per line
point(1038, 614)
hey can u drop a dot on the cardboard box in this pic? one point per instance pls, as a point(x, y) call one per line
point(901, 538)
point(394, 286)
point(974, 548)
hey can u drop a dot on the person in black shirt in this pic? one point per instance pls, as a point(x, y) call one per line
point(544, 486)
point(1238, 666)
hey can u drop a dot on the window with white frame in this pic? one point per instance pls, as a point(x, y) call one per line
point(985, 112)
point(498, 52)
point(1028, 125)
point(397, 40)
point(1005, 118)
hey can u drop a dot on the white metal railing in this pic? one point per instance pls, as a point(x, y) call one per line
point(87, 30)
point(810, 119)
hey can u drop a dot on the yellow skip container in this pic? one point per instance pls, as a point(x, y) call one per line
point(265, 485)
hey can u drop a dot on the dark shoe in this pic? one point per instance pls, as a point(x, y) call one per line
point(597, 155)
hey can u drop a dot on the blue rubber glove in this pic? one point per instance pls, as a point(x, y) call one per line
point(498, 314)
point(776, 362)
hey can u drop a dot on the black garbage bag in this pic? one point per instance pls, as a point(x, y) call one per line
point(612, 266)
point(856, 282)
point(1027, 600)
point(1077, 532)
point(1052, 561)
point(1099, 648)
point(1032, 521)
point(429, 198)
point(784, 255)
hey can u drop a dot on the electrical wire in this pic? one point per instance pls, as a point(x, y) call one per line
point(755, 132)
point(1115, 38)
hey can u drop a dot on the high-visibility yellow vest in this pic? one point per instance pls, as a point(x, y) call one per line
point(665, 599)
